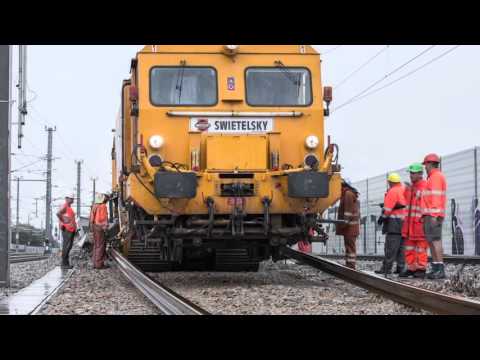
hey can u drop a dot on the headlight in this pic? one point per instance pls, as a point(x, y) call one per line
point(312, 142)
point(231, 47)
point(156, 142)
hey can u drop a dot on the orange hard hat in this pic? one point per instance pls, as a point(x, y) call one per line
point(431, 158)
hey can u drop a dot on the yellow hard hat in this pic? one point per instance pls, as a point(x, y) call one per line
point(394, 178)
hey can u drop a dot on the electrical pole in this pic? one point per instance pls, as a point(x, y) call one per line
point(22, 90)
point(48, 195)
point(5, 151)
point(79, 182)
point(93, 192)
point(17, 223)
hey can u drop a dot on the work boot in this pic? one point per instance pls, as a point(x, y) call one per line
point(433, 269)
point(68, 266)
point(438, 273)
point(406, 274)
point(382, 271)
point(419, 274)
point(350, 266)
point(399, 270)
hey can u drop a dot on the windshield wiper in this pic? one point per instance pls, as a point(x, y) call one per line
point(179, 84)
point(288, 74)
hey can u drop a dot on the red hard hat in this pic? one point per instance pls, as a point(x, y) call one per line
point(431, 158)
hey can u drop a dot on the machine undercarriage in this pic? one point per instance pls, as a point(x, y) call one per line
point(214, 242)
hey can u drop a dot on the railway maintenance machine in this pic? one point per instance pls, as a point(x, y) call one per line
point(219, 156)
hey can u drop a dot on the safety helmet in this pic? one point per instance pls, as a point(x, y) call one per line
point(99, 197)
point(431, 158)
point(394, 178)
point(70, 196)
point(415, 168)
point(348, 184)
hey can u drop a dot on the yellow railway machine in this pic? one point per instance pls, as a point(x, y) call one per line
point(219, 157)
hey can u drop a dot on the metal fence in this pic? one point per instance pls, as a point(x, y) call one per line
point(462, 172)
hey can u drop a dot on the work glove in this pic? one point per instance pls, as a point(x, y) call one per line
point(380, 220)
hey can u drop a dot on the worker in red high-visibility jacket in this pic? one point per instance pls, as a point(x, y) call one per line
point(68, 226)
point(415, 244)
point(392, 220)
point(99, 224)
point(434, 201)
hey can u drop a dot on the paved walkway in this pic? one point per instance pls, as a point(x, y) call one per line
point(31, 298)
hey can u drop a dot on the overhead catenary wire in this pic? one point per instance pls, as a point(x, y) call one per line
point(25, 166)
point(356, 71)
point(66, 147)
point(400, 78)
point(384, 78)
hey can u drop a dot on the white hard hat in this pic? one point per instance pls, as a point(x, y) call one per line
point(71, 196)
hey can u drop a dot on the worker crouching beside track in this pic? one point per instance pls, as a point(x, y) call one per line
point(349, 210)
point(99, 224)
point(415, 245)
point(392, 221)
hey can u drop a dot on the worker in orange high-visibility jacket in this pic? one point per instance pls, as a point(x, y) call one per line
point(349, 211)
point(68, 226)
point(392, 220)
point(415, 244)
point(434, 201)
point(99, 224)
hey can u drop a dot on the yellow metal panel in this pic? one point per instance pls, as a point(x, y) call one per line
point(237, 152)
point(154, 120)
point(227, 152)
point(243, 49)
point(127, 129)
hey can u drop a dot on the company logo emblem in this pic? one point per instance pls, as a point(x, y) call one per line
point(231, 83)
point(202, 124)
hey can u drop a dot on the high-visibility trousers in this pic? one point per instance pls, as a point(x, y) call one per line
point(416, 254)
point(305, 247)
point(350, 251)
point(99, 247)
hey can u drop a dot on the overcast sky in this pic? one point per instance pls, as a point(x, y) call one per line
point(77, 89)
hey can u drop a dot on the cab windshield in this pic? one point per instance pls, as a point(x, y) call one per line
point(279, 86)
point(182, 85)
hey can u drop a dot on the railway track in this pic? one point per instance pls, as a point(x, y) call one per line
point(169, 302)
point(25, 257)
point(450, 259)
point(405, 294)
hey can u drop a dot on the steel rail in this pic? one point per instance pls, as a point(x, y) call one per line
point(449, 259)
point(39, 307)
point(169, 302)
point(399, 292)
point(20, 258)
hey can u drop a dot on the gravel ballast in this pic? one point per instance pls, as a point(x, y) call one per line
point(98, 292)
point(278, 289)
point(23, 274)
point(462, 280)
